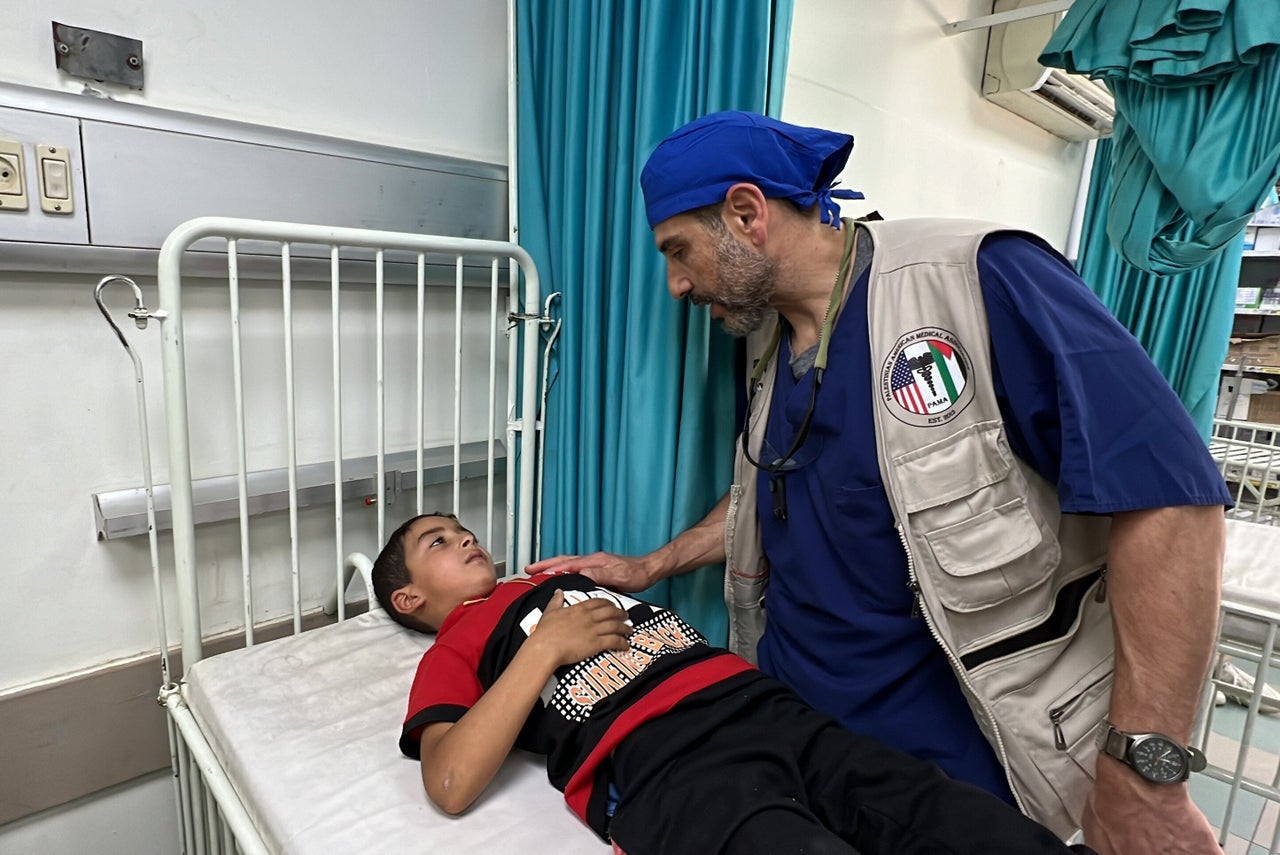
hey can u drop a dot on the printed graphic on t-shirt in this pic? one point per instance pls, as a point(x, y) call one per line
point(575, 693)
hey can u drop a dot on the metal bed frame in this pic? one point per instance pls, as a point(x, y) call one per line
point(211, 817)
point(1248, 456)
point(1247, 634)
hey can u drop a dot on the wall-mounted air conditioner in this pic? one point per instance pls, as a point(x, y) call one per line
point(1068, 105)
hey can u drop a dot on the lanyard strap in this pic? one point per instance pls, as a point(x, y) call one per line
point(828, 320)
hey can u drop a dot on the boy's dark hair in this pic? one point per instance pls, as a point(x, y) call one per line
point(390, 574)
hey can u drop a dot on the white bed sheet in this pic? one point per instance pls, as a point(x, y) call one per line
point(1250, 577)
point(307, 727)
point(1252, 566)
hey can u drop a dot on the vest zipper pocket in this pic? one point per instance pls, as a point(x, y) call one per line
point(958, 669)
point(1063, 710)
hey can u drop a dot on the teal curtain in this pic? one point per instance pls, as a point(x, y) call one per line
point(1197, 132)
point(640, 418)
point(1183, 320)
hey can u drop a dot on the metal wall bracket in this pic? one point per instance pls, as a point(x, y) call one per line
point(1050, 7)
point(104, 57)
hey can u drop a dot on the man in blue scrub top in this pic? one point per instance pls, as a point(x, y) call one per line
point(747, 224)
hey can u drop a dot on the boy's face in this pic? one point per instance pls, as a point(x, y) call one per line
point(446, 564)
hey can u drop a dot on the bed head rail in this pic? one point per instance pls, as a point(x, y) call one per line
point(522, 360)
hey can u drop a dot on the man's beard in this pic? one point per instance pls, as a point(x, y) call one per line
point(746, 282)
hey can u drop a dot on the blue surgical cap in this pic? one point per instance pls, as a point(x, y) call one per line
point(697, 164)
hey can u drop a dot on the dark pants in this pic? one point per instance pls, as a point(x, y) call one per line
point(775, 777)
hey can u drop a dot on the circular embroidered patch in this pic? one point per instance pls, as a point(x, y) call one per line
point(925, 379)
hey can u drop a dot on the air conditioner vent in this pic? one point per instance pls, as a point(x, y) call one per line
point(1068, 105)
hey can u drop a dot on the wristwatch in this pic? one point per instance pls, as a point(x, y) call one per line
point(1154, 756)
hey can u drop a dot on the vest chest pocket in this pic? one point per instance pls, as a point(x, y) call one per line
point(992, 556)
point(966, 500)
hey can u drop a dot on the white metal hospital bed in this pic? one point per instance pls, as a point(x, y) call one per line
point(1248, 456)
point(1243, 745)
point(289, 746)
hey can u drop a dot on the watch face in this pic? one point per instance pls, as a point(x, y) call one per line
point(1159, 759)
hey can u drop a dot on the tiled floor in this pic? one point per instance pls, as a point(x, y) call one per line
point(1253, 818)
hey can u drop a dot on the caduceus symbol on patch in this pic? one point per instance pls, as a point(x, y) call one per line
point(924, 364)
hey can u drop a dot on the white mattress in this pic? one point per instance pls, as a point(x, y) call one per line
point(307, 730)
point(1251, 577)
point(1251, 571)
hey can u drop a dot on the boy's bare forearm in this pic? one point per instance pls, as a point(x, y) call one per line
point(460, 759)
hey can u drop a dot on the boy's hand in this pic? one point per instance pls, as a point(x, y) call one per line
point(570, 634)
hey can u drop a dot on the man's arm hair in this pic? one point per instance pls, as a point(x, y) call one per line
point(695, 547)
point(698, 546)
point(1164, 573)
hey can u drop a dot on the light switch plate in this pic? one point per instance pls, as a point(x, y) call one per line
point(55, 179)
point(13, 183)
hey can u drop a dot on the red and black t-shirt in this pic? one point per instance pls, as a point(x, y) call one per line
point(586, 708)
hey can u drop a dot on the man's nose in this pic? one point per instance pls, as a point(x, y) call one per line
point(678, 285)
point(467, 541)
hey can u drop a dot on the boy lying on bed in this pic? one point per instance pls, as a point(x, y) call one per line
point(660, 742)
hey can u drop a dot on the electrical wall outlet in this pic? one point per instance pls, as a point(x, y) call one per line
point(13, 182)
point(10, 176)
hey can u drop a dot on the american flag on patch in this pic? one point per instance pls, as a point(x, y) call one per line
point(906, 391)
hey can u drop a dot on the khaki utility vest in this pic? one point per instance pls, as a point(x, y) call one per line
point(1011, 588)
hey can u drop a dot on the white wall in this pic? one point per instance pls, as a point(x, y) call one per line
point(415, 75)
point(70, 429)
point(422, 76)
point(925, 142)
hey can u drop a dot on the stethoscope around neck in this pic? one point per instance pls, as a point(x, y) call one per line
point(776, 469)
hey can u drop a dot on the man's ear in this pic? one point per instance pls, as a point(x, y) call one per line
point(407, 600)
point(747, 211)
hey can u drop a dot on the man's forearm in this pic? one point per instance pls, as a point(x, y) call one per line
point(698, 546)
point(1164, 576)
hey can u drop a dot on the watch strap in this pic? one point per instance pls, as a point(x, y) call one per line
point(1117, 743)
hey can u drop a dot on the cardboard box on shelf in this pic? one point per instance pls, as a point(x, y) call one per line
point(1248, 298)
point(1265, 408)
point(1268, 216)
point(1263, 352)
point(1249, 389)
point(1267, 238)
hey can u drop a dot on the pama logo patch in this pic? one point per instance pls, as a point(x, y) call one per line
point(925, 378)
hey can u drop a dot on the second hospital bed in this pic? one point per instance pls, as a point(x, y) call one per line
point(290, 746)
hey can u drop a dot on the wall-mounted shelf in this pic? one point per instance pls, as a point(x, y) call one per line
point(1252, 369)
